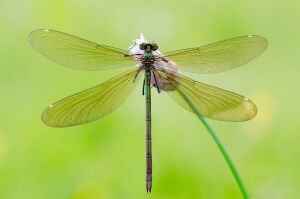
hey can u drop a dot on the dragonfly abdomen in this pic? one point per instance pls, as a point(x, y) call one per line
point(148, 129)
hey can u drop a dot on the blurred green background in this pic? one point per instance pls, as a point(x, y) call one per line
point(106, 159)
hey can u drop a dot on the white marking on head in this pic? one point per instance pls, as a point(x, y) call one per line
point(135, 48)
point(46, 30)
point(250, 35)
point(142, 37)
point(50, 106)
point(246, 98)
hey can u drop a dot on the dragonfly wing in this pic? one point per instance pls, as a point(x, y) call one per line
point(211, 102)
point(77, 53)
point(219, 56)
point(91, 104)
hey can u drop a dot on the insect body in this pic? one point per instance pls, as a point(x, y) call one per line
point(161, 71)
point(147, 64)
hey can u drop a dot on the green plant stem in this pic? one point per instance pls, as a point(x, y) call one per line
point(219, 144)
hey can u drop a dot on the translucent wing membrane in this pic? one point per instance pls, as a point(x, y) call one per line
point(212, 102)
point(219, 56)
point(91, 104)
point(77, 53)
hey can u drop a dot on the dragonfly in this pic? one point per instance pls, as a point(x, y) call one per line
point(161, 71)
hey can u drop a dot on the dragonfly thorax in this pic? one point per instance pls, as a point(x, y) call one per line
point(148, 59)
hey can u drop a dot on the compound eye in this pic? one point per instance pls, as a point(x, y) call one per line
point(155, 47)
point(142, 46)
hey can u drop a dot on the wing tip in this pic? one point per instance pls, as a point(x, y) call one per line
point(251, 110)
point(244, 111)
point(46, 119)
point(265, 41)
point(37, 30)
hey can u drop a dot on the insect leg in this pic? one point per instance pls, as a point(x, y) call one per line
point(156, 83)
point(136, 75)
point(144, 86)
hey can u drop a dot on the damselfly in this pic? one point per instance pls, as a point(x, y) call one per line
point(162, 71)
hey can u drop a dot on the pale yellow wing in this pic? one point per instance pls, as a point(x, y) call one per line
point(91, 104)
point(211, 102)
point(219, 56)
point(77, 53)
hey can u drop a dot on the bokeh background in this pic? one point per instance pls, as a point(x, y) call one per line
point(106, 159)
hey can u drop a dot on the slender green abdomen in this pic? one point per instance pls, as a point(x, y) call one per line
point(148, 130)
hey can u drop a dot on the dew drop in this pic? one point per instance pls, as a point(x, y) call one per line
point(50, 106)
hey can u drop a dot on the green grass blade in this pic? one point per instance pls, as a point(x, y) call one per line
point(219, 144)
